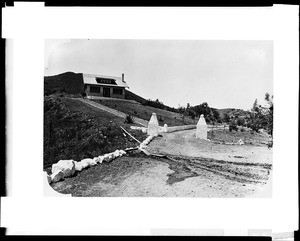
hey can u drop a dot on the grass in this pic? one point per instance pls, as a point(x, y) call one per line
point(145, 112)
point(81, 131)
point(235, 136)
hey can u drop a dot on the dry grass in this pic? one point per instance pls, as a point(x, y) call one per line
point(81, 131)
point(145, 112)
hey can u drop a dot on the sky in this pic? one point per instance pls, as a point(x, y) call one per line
point(223, 73)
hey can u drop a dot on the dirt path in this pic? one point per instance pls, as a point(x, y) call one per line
point(139, 176)
point(110, 110)
point(194, 168)
point(185, 143)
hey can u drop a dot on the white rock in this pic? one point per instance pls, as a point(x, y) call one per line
point(106, 157)
point(100, 159)
point(142, 145)
point(78, 166)
point(85, 162)
point(57, 176)
point(155, 135)
point(116, 153)
point(123, 152)
point(241, 142)
point(66, 166)
point(92, 162)
point(165, 129)
point(95, 159)
point(111, 156)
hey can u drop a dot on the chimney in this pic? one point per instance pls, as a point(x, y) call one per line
point(123, 78)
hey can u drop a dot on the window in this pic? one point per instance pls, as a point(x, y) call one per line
point(94, 89)
point(117, 91)
point(106, 81)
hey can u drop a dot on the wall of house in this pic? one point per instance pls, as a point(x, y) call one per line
point(100, 94)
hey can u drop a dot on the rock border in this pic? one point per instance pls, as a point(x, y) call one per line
point(67, 168)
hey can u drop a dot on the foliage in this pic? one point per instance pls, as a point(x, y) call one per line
point(233, 127)
point(241, 121)
point(160, 119)
point(262, 116)
point(226, 118)
point(129, 119)
point(211, 115)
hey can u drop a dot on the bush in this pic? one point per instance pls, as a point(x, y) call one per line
point(160, 119)
point(233, 127)
point(242, 129)
point(129, 119)
point(241, 121)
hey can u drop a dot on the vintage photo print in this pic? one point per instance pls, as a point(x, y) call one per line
point(159, 118)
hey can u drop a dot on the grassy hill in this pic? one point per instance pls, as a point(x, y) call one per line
point(233, 112)
point(132, 96)
point(75, 130)
point(145, 112)
point(68, 82)
point(72, 83)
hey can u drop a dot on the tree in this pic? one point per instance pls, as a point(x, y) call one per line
point(262, 116)
point(226, 118)
point(269, 99)
point(182, 110)
point(216, 115)
point(192, 114)
point(240, 121)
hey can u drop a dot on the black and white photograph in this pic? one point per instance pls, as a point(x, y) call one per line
point(151, 120)
point(159, 118)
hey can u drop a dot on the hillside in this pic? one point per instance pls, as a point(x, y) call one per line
point(233, 112)
point(132, 96)
point(68, 82)
point(75, 130)
point(145, 112)
point(72, 83)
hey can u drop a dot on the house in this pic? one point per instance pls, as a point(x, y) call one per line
point(96, 86)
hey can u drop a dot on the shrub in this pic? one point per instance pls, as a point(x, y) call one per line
point(241, 121)
point(83, 94)
point(129, 119)
point(242, 129)
point(233, 127)
point(270, 144)
point(160, 119)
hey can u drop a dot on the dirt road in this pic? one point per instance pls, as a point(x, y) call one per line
point(192, 170)
point(185, 143)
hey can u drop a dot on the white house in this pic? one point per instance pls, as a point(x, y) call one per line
point(104, 86)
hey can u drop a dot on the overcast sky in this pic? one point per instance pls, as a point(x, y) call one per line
point(225, 74)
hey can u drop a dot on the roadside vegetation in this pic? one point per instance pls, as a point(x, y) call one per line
point(74, 130)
